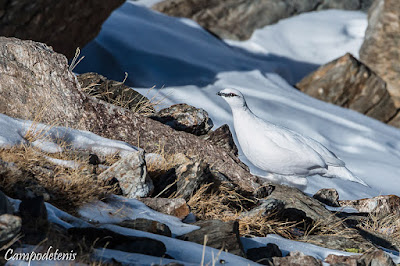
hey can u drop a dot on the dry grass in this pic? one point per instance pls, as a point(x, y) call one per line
point(387, 225)
point(224, 203)
point(68, 187)
point(143, 105)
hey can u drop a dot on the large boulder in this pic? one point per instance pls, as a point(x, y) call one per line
point(65, 25)
point(223, 17)
point(380, 49)
point(349, 83)
point(36, 84)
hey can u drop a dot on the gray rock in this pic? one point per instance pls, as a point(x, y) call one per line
point(131, 175)
point(383, 29)
point(296, 258)
point(10, 226)
point(26, 89)
point(190, 176)
point(301, 208)
point(380, 205)
point(146, 225)
point(349, 83)
point(337, 260)
point(183, 179)
point(176, 206)
point(266, 208)
point(184, 117)
point(223, 17)
point(220, 235)
point(65, 25)
point(376, 257)
point(222, 137)
point(114, 92)
point(5, 205)
point(328, 196)
point(343, 241)
point(264, 255)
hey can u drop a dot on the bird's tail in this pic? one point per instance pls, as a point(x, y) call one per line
point(343, 173)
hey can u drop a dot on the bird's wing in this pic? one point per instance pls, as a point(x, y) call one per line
point(329, 157)
point(290, 140)
point(289, 146)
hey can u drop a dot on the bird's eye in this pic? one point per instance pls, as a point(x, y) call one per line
point(231, 94)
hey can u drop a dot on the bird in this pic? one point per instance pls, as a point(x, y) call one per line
point(279, 150)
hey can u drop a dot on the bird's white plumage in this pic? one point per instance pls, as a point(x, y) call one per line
point(279, 150)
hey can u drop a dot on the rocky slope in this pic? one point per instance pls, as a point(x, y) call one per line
point(223, 17)
point(200, 172)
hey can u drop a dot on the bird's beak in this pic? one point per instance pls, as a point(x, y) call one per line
point(219, 93)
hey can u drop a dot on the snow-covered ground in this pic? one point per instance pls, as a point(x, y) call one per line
point(191, 65)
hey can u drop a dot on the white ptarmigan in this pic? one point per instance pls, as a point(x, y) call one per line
point(279, 150)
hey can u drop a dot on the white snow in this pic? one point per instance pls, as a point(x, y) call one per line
point(314, 37)
point(54, 139)
point(119, 209)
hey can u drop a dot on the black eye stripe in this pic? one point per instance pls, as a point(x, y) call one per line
point(231, 94)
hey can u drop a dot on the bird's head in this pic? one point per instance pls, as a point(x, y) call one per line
point(233, 97)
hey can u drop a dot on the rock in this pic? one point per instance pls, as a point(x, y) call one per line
point(114, 92)
point(131, 175)
point(220, 235)
point(223, 17)
point(344, 241)
point(328, 196)
point(222, 137)
point(296, 258)
point(61, 24)
point(307, 212)
point(264, 255)
point(190, 177)
point(176, 207)
point(383, 29)
point(266, 208)
point(183, 180)
point(5, 205)
point(349, 83)
point(300, 207)
point(184, 117)
point(35, 80)
point(101, 238)
point(10, 226)
point(338, 260)
point(146, 225)
point(376, 257)
point(380, 205)
point(35, 225)
point(370, 258)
